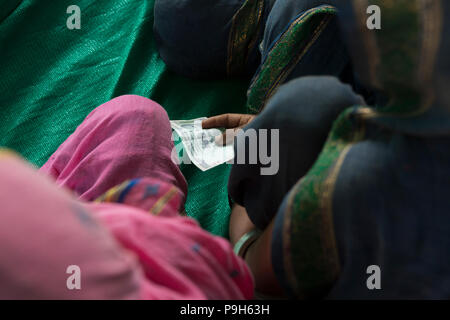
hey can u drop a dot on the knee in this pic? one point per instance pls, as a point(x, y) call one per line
point(284, 13)
point(320, 91)
point(193, 36)
point(326, 55)
point(309, 102)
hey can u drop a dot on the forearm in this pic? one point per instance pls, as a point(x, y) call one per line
point(258, 255)
point(240, 223)
point(258, 258)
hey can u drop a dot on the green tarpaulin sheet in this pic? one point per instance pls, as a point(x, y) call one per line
point(52, 77)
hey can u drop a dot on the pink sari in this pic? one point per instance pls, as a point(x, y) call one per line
point(116, 218)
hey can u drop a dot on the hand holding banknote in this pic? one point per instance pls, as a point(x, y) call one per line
point(228, 121)
point(204, 144)
point(200, 144)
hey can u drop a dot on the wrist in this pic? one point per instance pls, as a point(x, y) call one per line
point(245, 242)
point(240, 224)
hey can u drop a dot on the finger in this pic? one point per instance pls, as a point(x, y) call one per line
point(215, 122)
point(229, 120)
point(245, 119)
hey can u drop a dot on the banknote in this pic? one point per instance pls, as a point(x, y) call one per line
point(200, 144)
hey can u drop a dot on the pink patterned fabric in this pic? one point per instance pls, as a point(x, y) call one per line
point(135, 246)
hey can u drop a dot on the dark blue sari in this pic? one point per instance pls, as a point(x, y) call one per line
point(368, 185)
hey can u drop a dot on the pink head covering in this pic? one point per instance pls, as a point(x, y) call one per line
point(137, 247)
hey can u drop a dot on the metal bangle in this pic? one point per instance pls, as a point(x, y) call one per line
point(240, 248)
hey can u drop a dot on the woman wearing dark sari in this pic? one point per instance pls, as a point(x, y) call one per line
point(358, 186)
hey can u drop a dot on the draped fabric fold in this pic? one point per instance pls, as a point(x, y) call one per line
point(376, 195)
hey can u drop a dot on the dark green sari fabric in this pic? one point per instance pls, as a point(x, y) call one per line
point(52, 77)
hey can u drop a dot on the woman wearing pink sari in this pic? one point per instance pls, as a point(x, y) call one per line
point(115, 217)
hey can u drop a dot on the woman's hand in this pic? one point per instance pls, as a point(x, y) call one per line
point(230, 121)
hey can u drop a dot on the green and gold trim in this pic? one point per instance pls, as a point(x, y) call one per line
point(311, 257)
point(286, 53)
point(245, 28)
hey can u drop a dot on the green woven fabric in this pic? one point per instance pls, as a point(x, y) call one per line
point(52, 77)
